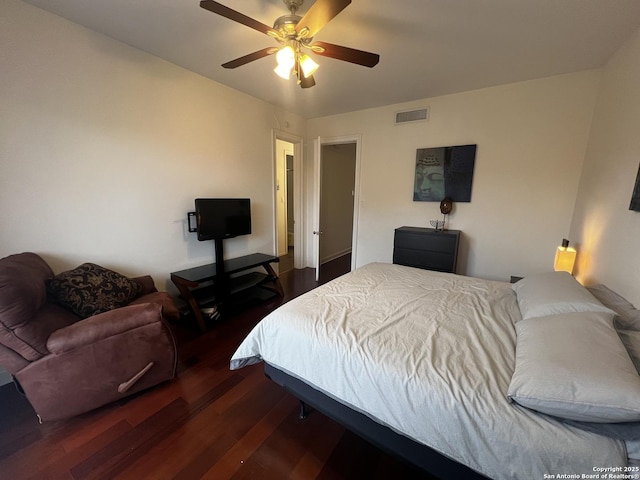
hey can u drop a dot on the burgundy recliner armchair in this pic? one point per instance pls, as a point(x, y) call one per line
point(66, 365)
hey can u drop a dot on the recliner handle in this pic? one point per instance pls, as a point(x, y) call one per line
point(123, 387)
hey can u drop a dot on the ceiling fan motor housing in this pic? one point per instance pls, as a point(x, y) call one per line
point(293, 5)
point(286, 25)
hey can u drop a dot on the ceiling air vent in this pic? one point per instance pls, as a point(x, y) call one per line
point(412, 116)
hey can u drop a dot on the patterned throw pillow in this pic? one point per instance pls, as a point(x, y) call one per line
point(91, 289)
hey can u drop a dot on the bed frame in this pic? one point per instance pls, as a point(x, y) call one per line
point(416, 454)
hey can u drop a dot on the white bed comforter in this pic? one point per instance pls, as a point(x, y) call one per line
point(430, 355)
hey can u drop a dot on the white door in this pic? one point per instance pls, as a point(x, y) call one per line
point(317, 175)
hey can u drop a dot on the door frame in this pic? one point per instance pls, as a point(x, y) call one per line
point(318, 143)
point(299, 247)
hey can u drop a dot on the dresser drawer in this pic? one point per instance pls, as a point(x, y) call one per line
point(433, 242)
point(442, 262)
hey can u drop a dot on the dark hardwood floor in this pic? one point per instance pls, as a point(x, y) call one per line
point(209, 422)
point(286, 261)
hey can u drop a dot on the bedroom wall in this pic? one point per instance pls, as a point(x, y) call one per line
point(531, 139)
point(103, 149)
point(606, 232)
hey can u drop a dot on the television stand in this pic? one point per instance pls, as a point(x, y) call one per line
point(205, 286)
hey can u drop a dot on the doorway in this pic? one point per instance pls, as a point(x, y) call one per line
point(337, 168)
point(287, 190)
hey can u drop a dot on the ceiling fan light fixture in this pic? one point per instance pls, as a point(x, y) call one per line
point(307, 65)
point(294, 33)
point(286, 57)
point(283, 71)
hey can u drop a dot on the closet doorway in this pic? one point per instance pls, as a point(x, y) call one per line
point(337, 168)
point(287, 190)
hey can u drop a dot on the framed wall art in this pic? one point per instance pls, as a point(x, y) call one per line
point(444, 172)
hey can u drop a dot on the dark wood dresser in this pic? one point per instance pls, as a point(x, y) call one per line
point(426, 248)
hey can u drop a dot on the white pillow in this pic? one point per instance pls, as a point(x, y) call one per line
point(575, 366)
point(628, 316)
point(554, 292)
point(631, 340)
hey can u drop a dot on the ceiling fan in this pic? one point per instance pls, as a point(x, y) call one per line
point(295, 35)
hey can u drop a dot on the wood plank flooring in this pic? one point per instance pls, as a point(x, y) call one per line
point(207, 423)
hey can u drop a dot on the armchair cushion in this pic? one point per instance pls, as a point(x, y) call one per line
point(30, 339)
point(26, 318)
point(90, 289)
point(22, 288)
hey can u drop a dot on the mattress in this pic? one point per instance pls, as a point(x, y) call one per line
point(429, 355)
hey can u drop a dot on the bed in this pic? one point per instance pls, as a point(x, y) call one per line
point(452, 373)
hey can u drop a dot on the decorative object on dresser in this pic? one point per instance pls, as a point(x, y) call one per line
point(426, 248)
point(446, 205)
point(83, 338)
point(437, 225)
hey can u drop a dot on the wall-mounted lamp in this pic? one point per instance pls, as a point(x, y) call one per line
point(565, 257)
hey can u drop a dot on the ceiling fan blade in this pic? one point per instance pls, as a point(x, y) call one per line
point(227, 12)
point(320, 13)
point(307, 82)
point(346, 54)
point(238, 62)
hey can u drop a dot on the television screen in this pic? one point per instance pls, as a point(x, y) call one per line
point(218, 218)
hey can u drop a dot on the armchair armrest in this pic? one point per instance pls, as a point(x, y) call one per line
point(102, 326)
point(148, 285)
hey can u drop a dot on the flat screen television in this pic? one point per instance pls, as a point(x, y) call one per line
point(220, 218)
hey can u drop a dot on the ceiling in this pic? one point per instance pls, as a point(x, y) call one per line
point(427, 47)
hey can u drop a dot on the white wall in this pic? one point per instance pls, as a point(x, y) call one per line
point(531, 139)
point(103, 149)
point(607, 233)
